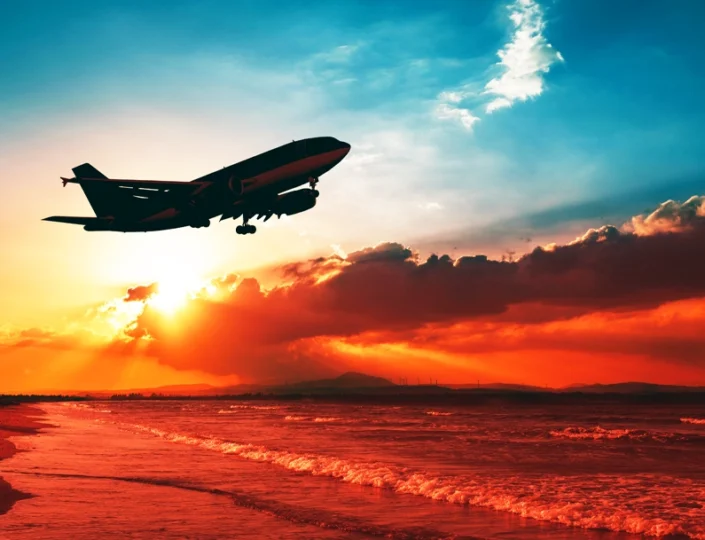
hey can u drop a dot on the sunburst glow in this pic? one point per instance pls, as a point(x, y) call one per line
point(174, 291)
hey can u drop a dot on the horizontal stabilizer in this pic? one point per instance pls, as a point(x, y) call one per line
point(75, 220)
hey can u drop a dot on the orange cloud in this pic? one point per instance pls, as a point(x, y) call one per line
point(670, 216)
point(141, 293)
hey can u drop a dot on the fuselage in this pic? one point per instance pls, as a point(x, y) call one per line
point(227, 191)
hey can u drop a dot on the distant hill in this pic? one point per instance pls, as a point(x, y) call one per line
point(499, 386)
point(349, 380)
point(632, 388)
point(357, 384)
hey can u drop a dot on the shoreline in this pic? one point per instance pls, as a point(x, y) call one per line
point(15, 421)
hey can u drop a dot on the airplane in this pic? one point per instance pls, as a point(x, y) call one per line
point(258, 187)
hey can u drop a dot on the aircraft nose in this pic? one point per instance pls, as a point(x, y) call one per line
point(345, 146)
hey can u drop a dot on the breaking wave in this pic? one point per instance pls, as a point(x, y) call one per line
point(600, 433)
point(256, 407)
point(438, 413)
point(688, 420)
point(603, 504)
point(317, 419)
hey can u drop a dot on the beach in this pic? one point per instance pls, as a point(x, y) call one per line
point(15, 420)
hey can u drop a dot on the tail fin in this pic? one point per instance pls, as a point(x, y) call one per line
point(95, 194)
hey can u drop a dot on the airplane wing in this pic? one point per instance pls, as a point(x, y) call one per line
point(146, 186)
point(74, 220)
point(89, 223)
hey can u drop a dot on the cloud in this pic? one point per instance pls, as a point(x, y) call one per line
point(264, 334)
point(141, 293)
point(464, 116)
point(431, 205)
point(339, 55)
point(670, 216)
point(524, 60)
point(384, 306)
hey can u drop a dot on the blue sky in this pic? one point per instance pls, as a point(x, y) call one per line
point(473, 124)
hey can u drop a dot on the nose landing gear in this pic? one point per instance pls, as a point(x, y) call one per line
point(312, 181)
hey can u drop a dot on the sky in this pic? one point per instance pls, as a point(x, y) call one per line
point(523, 201)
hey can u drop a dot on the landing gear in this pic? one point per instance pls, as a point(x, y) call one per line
point(245, 229)
point(201, 223)
point(312, 181)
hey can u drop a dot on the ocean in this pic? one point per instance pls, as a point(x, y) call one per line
point(302, 469)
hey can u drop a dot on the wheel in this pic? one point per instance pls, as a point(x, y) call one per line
point(315, 192)
point(239, 230)
point(251, 229)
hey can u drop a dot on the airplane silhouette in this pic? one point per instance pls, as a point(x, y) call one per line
point(255, 188)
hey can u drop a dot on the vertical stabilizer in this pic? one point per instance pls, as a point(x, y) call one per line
point(97, 195)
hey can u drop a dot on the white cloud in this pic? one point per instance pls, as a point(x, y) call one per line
point(464, 116)
point(525, 59)
point(431, 206)
point(451, 97)
point(339, 55)
point(497, 104)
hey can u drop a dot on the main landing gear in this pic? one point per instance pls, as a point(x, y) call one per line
point(197, 224)
point(245, 229)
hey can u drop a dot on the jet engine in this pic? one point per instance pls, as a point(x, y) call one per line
point(235, 185)
point(295, 202)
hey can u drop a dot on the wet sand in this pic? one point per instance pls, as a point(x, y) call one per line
point(14, 421)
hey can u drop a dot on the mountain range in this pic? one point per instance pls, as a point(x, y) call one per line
point(352, 382)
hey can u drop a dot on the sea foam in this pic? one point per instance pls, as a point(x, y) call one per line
point(546, 497)
point(699, 421)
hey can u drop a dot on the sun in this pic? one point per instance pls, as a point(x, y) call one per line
point(173, 292)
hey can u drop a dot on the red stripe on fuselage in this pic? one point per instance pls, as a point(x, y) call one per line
point(300, 167)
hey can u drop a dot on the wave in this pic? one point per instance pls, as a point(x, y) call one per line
point(600, 433)
point(688, 420)
point(551, 498)
point(438, 413)
point(294, 514)
point(226, 411)
point(256, 407)
point(317, 419)
point(87, 407)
